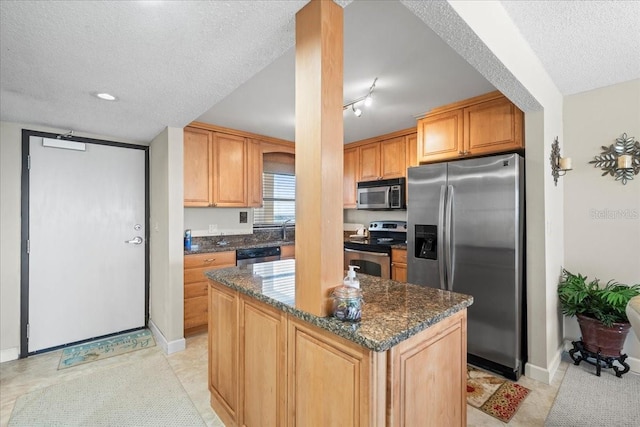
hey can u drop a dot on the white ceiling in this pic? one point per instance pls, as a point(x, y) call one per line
point(231, 62)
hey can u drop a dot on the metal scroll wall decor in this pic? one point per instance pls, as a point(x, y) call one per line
point(621, 160)
point(559, 165)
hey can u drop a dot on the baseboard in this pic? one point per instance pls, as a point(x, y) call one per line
point(169, 347)
point(633, 362)
point(544, 375)
point(9, 354)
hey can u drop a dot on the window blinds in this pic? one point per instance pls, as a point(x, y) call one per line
point(279, 199)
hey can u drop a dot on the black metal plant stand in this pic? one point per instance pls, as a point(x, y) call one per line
point(597, 360)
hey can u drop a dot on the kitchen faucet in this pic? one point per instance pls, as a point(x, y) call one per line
point(284, 229)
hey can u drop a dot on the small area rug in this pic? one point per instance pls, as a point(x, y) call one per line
point(144, 392)
point(107, 347)
point(587, 400)
point(494, 395)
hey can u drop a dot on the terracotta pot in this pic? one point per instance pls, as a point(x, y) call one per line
point(599, 338)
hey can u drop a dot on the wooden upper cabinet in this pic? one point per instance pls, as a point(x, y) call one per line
point(383, 159)
point(350, 177)
point(440, 136)
point(393, 162)
point(197, 167)
point(482, 125)
point(254, 177)
point(412, 150)
point(369, 162)
point(492, 126)
point(223, 167)
point(229, 170)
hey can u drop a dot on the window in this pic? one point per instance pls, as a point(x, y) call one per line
point(279, 199)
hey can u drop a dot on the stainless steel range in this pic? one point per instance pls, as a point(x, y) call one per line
point(373, 253)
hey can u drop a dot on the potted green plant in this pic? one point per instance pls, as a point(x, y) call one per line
point(600, 311)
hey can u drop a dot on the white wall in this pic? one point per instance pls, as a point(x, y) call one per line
point(166, 309)
point(601, 216)
point(226, 221)
point(10, 223)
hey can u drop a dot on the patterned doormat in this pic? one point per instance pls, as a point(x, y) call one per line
point(106, 347)
point(494, 395)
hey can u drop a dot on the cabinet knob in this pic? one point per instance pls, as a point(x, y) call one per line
point(209, 260)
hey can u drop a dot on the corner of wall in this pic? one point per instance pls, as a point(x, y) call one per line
point(168, 347)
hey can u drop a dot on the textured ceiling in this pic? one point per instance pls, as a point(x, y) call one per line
point(166, 61)
point(172, 62)
point(583, 45)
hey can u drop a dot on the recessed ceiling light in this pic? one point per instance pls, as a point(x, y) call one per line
point(105, 96)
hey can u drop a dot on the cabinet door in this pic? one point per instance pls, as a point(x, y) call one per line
point(399, 265)
point(430, 371)
point(369, 162)
point(262, 365)
point(412, 150)
point(229, 170)
point(288, 252)
point(399, 272)
point(197, 167)
point(350, 177)
point(329, 379)
point(254, 177)
point(223, 351)
point(393, 161)
point(440, 136)
point(492, 126)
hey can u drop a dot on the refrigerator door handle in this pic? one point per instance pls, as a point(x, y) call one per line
point(440, 238)
point(449, 254)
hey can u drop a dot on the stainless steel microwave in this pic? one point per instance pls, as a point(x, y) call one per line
point(384, 194)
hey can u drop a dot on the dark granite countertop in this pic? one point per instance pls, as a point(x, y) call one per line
point(204, 249)
point(392, 311)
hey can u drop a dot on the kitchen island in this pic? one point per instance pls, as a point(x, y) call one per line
point(270, 363)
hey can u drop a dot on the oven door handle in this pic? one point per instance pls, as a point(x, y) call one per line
point(380, 254)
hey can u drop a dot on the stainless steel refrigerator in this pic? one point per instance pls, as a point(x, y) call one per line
point(466, 234)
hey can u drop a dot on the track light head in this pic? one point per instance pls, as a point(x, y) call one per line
point(356, 111)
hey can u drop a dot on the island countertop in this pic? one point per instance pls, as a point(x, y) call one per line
point(392, 311)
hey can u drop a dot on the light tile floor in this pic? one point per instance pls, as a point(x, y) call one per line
point(190, 366)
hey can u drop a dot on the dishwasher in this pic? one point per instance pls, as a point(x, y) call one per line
point(255, 255)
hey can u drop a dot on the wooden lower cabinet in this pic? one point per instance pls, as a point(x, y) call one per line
point(428, 376)
point(287, 252)
point(223, 352)
point(263, 365)
point(247, 360)
point(195, 287)
point(329, 382)
point(268, 368)
point(399, 265)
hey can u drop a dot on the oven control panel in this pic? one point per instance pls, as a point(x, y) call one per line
point(390, 226)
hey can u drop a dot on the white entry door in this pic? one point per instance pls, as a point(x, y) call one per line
point(86, 242)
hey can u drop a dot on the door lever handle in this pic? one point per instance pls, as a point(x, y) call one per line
point(135, 241)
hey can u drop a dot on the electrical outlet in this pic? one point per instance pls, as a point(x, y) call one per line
point(243, 217)
point(213, 228)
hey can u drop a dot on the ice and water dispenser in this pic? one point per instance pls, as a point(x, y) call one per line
point(426, 241)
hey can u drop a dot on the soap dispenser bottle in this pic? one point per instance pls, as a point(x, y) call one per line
point(347, 299)
point(351, 279)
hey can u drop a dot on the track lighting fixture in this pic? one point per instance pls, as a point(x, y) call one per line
point(367, 100)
